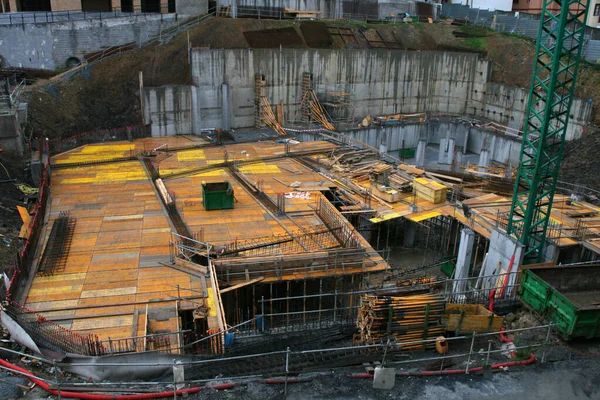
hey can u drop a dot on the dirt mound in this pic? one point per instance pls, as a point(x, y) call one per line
point(581, 163)
point(11, 167)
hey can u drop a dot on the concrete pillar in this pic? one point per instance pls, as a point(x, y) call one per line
point(463, 261)
point(13, 5)
point(450, 152)
point(164, 6)
point(410, 233)
point(225, 106)
point(484, 158)
point(442, 152)
point(137, 5)
point(458, 160)
point(196, 116)
point(501, 250)
point(420, 155)
point(115, 5)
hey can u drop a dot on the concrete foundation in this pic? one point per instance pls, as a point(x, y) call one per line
point(464, 259)
point(502, 248)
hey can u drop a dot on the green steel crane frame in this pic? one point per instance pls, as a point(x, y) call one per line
point(559, 45)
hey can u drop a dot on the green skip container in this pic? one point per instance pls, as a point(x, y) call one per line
point(568, 296)
point(217, 196)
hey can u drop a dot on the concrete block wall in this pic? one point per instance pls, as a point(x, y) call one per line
point(49, 45)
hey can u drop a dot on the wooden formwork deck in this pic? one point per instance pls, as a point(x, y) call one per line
point(117, 264)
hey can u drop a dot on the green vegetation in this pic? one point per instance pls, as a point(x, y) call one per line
point(476, 43)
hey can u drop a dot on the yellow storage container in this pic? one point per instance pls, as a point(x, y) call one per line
point(429, 190)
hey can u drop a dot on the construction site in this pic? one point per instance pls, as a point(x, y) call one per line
point(325, 208)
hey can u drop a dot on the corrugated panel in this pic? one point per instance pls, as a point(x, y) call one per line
point(592, 51)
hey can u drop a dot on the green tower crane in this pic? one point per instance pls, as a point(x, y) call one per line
point(558, 52)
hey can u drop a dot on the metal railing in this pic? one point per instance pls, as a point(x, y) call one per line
point(41, 17)
point(60, 145)
point(469, 353)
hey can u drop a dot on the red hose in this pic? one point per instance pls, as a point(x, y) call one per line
point(503, 337)
point(530, 360)
point(90, 396)
point(492, 299)
point(510, 266)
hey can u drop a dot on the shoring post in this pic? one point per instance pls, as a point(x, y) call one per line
point(470, 352)
point(487, 357)
point(174, 380)
point(56, 377)
point(335, 306)
point(546, 343)
point(287, 370)
point(262, 304)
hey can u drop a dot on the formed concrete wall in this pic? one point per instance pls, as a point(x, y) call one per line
point(168, 109)
point(48, 46)
point(381, 82)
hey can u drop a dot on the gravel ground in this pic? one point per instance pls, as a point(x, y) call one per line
point(576, 379)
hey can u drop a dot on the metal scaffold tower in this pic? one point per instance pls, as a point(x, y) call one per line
point(559, 45)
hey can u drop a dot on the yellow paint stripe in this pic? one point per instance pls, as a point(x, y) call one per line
point(212, 308)
point(385, 217)
point(54, 290)
point(191, 155)
point(424, 216)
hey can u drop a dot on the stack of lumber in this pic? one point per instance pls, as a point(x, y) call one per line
point(430, 190)
point(399, 182)
point(408, 318)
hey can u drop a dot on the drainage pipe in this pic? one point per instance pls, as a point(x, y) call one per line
point(90, 396)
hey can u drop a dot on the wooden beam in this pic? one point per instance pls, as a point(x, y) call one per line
point(191, 266)
point(239, 285)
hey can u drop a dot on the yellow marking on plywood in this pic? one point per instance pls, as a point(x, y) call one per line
point(191, 155)
point(108, 292)
point(107, 148)
point(424, 216)
point(210, 302)
point(385, 217)
point(60, 278)
point(54, 290)
point(216, 172)
point(260, 168)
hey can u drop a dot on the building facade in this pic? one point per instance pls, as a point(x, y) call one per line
point(535, 7)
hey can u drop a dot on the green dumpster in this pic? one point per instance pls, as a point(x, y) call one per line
point(568, 296)
point(217, 196)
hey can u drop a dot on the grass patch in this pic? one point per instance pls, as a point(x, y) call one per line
point(476, 43)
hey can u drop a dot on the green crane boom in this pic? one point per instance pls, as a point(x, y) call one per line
point(559, 46)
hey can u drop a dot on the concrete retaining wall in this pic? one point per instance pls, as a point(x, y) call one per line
point(49, 45)
point(168, 109)
point(381, 81)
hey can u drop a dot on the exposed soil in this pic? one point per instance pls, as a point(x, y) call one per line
point(581, 163)
point(107, 95)
point(12, 167)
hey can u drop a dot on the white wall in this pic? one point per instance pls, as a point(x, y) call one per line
point(492, 5)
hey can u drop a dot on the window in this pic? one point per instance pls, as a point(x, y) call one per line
point(596, 10)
